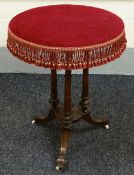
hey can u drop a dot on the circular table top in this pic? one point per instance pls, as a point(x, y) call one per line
point(66, 29)
point(66, 25)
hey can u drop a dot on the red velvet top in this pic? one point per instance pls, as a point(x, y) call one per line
point(66, 25)
point(66, 36)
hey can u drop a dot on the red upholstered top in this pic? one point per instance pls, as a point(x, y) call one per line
point(66, 36)
point(66, 25)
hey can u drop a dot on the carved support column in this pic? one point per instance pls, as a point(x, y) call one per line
point(54, 101)
point(85, 102)
point(67, 96)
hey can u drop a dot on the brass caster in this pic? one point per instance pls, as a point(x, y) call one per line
point(106, 126)
point(33, 122)
point(59, 168)
point(60, 164)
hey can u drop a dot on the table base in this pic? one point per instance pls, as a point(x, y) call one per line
point(68, 114)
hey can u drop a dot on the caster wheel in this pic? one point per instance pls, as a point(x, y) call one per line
point(33, 122)
point(60, 164)
point(59, 168)
point(107, 126)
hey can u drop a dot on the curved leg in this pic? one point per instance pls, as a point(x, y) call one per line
point(41, 119)
point(65, 135)
point(65, 131)
point(85, 104)
point(96, 121)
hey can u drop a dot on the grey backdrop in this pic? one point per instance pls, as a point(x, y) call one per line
point(124, 65)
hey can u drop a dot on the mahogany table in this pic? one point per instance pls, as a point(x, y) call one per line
point(67, 37)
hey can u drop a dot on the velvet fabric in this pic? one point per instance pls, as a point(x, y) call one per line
point(66, 25)
point(66, 36)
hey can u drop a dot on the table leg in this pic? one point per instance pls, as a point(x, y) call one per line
point(85, 104)
point(65, 135)
point(41, 119)
point(96, 121)
point(65, 131)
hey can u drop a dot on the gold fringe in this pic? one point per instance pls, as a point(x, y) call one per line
point(66, 57)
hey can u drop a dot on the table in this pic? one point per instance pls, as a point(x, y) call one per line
point(67, 37)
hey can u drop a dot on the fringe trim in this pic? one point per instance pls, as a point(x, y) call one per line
point(66, 57)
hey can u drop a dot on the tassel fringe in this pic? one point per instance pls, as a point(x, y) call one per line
point(66, 57)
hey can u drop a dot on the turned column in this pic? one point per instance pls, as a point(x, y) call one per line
point(67, 96)
point(54, 101)
point(85, 102)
